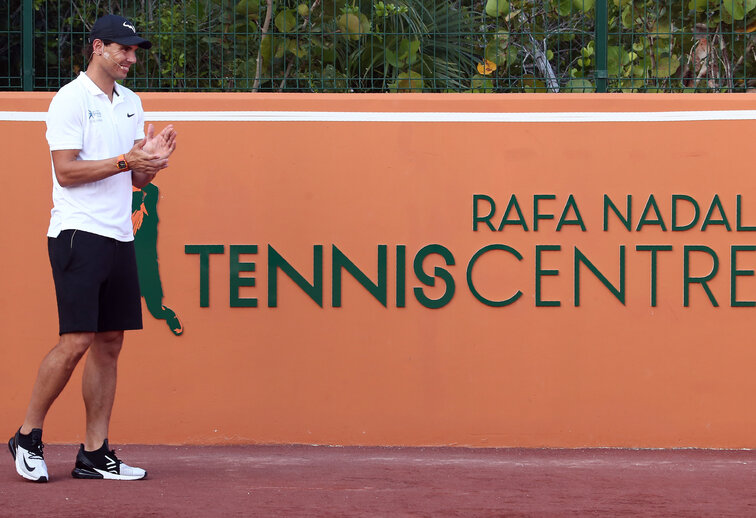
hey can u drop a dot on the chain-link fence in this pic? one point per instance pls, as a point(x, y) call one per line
point(396, 45)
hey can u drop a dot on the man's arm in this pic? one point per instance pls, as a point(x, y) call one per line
point(70, 172)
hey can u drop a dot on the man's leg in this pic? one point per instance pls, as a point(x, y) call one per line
point(54, 372)
point(120, 307)
point(95, 459)
point(99, 385)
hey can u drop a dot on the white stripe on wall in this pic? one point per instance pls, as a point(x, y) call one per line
point(321, 116)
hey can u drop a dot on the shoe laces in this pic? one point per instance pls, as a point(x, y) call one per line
point(36, 449)
point(115, 458)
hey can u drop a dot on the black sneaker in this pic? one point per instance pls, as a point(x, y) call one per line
point(27, 452)
point(103, 464)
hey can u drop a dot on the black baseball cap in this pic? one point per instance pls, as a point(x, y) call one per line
point(118, 29)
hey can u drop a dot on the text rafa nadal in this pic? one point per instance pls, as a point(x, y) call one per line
point(434, 287)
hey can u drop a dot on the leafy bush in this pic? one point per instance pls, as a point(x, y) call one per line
point(407, 45)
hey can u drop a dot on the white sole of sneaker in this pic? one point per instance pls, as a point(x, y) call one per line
point(97, 474)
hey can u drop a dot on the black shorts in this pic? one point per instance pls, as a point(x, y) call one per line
point(96, 282)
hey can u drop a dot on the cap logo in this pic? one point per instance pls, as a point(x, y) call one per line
point(126, 24)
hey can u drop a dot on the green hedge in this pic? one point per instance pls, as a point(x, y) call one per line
point(400, 45)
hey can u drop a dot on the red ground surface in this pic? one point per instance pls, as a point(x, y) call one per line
point(322, 481)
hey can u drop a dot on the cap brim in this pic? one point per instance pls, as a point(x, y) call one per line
point(134, 40)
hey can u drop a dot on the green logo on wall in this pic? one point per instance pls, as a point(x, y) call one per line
point(144, 216)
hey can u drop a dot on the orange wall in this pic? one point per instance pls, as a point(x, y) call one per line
point(602, 373)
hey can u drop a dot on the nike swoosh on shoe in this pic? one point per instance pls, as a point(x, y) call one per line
point(28, 468)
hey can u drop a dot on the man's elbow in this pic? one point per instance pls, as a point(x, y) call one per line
point(64, 180)
point(68, 177)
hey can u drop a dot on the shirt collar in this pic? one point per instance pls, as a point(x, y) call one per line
point(93, 89)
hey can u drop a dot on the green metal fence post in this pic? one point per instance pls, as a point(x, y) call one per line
point(602, 42)
point(27, 44)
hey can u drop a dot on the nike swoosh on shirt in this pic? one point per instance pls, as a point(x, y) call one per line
point(28, 468)
point(130, 114)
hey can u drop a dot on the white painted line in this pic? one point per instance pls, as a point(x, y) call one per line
point(321, 116)
point(22, 116)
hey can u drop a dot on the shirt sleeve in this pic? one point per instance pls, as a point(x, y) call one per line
point(65, 124)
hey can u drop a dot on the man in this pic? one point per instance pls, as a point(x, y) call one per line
point(99, 150)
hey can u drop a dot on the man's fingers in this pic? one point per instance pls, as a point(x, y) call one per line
point(166, 131)
point(168, 148)
point(158, 146)
point(144, 155)
point(148, 164)
point(168, 140)
point(160, 164)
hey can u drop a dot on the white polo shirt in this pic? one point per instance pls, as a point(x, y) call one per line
point(82, 117)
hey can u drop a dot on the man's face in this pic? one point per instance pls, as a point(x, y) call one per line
point(118, 59)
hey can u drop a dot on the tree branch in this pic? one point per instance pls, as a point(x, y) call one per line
point(543, 65)
point(266, 26)
point(304, 26)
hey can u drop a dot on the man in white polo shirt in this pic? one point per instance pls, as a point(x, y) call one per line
point(99, 150)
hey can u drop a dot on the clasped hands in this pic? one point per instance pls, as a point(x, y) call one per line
point(150, 154)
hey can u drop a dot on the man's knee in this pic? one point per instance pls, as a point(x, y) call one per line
point(72, 346)
point(108, 343)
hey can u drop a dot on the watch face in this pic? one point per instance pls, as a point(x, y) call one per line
point(121, 164)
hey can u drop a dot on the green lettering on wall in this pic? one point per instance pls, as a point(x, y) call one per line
point(571, 204)
point(277, 262)
point(626, 220)
point(483, 219)
point(654, 249)
point(540, 272)
point(696, 211)
point(715, 203)
point(651, 204)
point(342, 262)
point(401, 275)
point(474, 291)
point(430, 280)
point(740, 227)
point(703, 281)
point(735, 273)
point(536, 208)
point(236, 281)
point(513, 204)
point(204, 252)
point(582, 259)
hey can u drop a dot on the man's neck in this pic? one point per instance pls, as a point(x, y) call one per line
point(103, 81)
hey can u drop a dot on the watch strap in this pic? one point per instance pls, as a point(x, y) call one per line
point(121, 163)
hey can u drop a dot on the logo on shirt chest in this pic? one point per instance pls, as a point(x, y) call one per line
point(94, 116)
